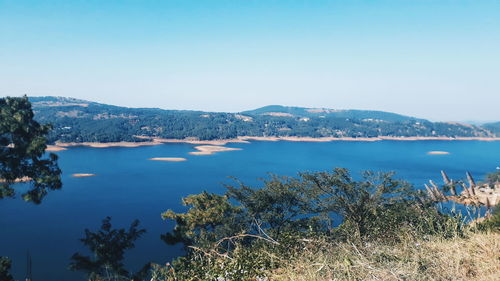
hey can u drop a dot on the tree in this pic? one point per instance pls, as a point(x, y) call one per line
point(209, 218)
point(108, 247)
point(281, 204)
point(360, 203)
point(22, 147)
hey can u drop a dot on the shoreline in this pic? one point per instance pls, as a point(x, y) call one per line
point(64, 145)
point(59, 146)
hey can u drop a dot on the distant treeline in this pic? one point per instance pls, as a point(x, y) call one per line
point(82, 121)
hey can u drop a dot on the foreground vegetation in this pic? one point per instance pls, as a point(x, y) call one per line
point(286, 231)
point(317, 226)
point(474, 257)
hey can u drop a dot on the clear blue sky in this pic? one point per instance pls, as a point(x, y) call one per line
point(431, 59)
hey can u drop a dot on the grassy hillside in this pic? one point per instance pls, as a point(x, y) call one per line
point(475, 257)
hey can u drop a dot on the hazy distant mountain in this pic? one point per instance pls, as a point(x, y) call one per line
point(77, 120)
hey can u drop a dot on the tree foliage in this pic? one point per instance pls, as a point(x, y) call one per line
point(108, 246)
point(22, 147)
point(360, 203)
point(283, 204)
point(209, 217)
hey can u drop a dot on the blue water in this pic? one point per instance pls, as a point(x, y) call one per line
point(128, 187)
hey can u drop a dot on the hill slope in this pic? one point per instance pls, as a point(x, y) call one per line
point(493, 127)
point(326, 112)
point(84, 121)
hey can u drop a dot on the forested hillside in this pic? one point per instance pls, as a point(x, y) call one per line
point(325, 112)
point(83, 121)
point(493, 127)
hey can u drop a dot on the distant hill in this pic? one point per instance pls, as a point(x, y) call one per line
point(326, 112)
point(77, 120)
point(493, 127)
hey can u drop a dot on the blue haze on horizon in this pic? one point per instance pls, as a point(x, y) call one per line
point(431, 59)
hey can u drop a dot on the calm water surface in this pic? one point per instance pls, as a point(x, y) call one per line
point(127, 186)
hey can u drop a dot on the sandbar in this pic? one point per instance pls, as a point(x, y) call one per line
point(171, 159)
point(55, 148)
point(82, 175)
point(438, 152)
point(211, 149)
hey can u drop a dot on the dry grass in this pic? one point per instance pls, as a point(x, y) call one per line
point(476, 257)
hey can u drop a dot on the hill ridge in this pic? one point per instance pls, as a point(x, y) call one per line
point(76, 120)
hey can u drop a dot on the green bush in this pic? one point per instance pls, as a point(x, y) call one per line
point(492, 223)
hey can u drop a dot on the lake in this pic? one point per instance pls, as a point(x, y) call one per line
point(128, 186)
